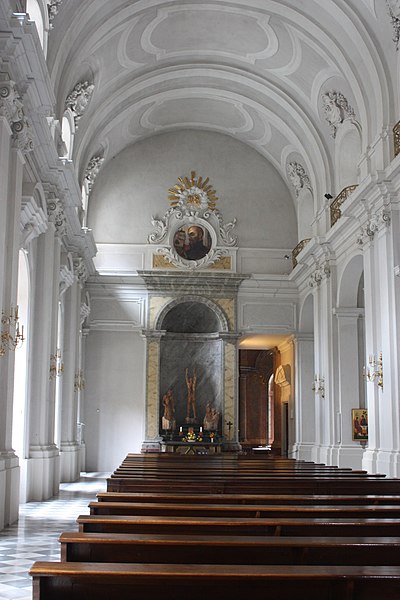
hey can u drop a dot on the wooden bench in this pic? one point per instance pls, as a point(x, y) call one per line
point(239, 526)
point(105, 581)
point(279, 499)
point(250, 550)
point(243, 511)
point(273, 485)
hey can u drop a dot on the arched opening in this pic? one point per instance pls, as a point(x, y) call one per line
point(37, 11)
point(68, 132)
point(257, 398)
point(191, 360)
point(20, 416)
point(351, 353)
point(306, 401)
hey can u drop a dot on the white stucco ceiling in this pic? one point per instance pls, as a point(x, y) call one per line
point(252, 69)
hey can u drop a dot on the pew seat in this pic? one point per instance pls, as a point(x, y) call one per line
point(181, 549)
point(238, 526)
point(122, 581)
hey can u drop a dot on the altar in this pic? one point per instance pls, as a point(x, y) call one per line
point(188, 447)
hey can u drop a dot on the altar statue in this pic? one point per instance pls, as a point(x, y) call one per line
point(168, 419)
point(191, 399)
point(211, 418)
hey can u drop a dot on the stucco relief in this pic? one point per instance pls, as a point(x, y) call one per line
point(223, 113)
point(298, 177)
point(192, 232)
point(336, 110)
point(172, 32)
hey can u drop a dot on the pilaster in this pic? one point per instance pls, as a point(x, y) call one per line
point(42, 461)
point(304, 400)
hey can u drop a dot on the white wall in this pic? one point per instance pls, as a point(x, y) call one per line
point(134, 187)
point(114, 397)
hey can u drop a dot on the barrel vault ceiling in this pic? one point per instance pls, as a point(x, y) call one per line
point(251, 69)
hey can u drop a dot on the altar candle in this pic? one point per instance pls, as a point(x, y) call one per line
point(180, 429)
point(201, 430)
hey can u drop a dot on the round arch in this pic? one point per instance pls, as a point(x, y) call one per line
point(210, 308)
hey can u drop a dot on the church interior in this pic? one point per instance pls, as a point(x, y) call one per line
point(199, 236)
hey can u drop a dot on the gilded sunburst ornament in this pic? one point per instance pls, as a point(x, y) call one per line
point(193, 193)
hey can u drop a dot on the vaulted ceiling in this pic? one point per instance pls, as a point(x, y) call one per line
point(252, 69)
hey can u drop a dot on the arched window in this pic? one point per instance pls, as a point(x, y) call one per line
point(19, 407)
point(68, 133)
point(37, 11)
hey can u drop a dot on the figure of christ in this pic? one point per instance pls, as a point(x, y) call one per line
point(191, 400)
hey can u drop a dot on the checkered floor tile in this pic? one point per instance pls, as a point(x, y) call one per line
point(35, 535)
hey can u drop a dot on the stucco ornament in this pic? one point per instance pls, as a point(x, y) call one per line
point(298, 177)
point(394, 13)
point(192, 231)
point(336, 110)
point(78, 99)
point(92, 170)
point(52, 8)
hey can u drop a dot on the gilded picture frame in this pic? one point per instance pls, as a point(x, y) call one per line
point(359, 424)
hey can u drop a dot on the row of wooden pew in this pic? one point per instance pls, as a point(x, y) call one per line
point(172, 526)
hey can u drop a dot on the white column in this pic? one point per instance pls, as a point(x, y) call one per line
point(11, 169)
point(325, 363)
point(70, 455)
point(42, 463)
point(304, 401)
point(382, 335)
point(346, 452)
point(387, 341)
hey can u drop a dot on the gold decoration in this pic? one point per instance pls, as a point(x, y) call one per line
point(225, 262)
point(11, 337)
point(160, 262)
point(336, 213)
point(193, 193)
point(296, 251)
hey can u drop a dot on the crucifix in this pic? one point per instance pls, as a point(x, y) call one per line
point(229, 423)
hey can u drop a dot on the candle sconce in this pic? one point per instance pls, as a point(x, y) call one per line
point(79, 383)
point(319, 385)
point(56, 365)
point(11, 336)
point(374, 371)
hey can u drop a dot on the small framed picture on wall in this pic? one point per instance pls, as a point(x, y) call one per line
point(359, 418)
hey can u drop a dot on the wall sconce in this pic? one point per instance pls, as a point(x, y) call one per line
point(79, 383)
point(11, 336)
point(374, 371)
point(56, 365)
point(319, 386)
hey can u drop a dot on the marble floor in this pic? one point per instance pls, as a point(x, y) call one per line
point(35, 536)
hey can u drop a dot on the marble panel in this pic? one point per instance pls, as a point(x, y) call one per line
point(153, 352)
point(197, 354)
point(229, 385)
point(156, 303)
point(228, 306)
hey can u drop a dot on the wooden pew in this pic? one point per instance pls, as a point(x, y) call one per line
point(239, 526)
point(243, 511)
point(105, 581)
point(250, 550)
point(280, 499)
point(273, 485)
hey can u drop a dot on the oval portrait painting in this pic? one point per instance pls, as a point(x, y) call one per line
point(192, 242)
